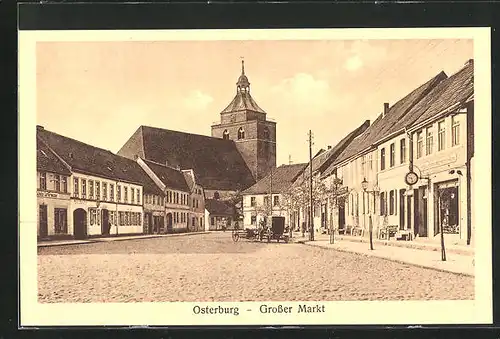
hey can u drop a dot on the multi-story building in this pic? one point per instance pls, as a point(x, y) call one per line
point(53, 193)
point(266, 197)
point(176, 195)
point(410, 136)
point(106, 190)
point(197, 201)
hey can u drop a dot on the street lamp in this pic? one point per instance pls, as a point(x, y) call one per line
point(364, 185)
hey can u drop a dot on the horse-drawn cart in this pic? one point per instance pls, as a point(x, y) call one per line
point(277, 232)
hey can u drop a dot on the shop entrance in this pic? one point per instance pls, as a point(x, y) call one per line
point(105, 225)
point(80, 223)
point(42, 216)
point(170, 228)
point(446, 209)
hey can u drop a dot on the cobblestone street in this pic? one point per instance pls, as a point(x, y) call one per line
point(211, 267)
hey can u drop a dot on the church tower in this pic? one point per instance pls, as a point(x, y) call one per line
point(245, 122)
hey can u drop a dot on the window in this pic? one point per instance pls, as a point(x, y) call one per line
point(225, 135)
point(112, 217)
point(132, 195)
point(43, 180)
point(93, 216)
point(60, 221)
point(170, 196)
point(98, 190)
point(429, 142)
point(138, 196)
point(363, 164)
point(57, 183)
point(118, 194)
point(194, 203)
point(120, 217)
point(382, 204)
point(64, 184)
point(252, 201)
point(197, 203)
point(455, 131)
point(265, 133)
point(91, 189)
point(420, 145)
point(177, 197)
point(392, 155)
point(402, 151)
point(266, 201)
point(112, 192)
point(382, 159)
point(441, 135)
point(125, 194)
point(391, 203)
point(253, 219)
point(370, 162)
point(212, 221)
point(241, 133)
point(276, 200)
point(76, 185)
point(105, 191)
point(84, 188)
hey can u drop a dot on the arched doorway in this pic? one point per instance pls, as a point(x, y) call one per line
point(80, 223)
point(170, 228)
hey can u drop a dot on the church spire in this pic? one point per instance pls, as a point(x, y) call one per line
point(243, 85)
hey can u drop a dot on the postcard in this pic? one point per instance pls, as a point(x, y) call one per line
point(255, 177)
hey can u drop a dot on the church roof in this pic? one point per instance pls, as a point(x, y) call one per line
point(217, 163)
point(243, 101)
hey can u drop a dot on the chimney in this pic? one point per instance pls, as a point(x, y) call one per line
point(329, 147)
point(469, 62)
point(386, 109)
point(39, 127)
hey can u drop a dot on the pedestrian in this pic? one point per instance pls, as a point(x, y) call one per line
point(303, 229)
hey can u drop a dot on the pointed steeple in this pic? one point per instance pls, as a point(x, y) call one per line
point(243, 85)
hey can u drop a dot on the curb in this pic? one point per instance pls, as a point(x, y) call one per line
point(100, 240)
point(388, 259)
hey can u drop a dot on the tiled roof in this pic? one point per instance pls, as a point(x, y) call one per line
point(282, 176)
point(216, 162)
point(383, 125)
point(456, 89)
point(171, 177)
point(189, 180)
point(97, 161)
point(323, 160)
point(47, 161)
point(218, 207)
point(243, 101)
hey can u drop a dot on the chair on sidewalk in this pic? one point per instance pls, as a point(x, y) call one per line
point(388, 231)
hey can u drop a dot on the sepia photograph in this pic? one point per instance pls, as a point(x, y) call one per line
point(255, 177)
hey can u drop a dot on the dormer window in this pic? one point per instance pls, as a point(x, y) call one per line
point(225, 135)
point(241, 133)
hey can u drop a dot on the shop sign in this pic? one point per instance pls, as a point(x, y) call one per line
point(45, 194)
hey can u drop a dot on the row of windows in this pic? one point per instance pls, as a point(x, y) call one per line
point(180, 217)
point(276, 201)
point(60, 182)
point(124, 218)
point(388, 204)
point(428, 135)
point(161, 201)
point(241, 133)
point(93, 191)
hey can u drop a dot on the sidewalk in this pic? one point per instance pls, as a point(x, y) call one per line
point(455, 263)
point(49, 243)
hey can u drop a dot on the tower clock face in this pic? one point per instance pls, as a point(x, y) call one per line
point(411, 178)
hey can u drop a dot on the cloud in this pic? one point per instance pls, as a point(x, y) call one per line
point(302, 90)
point(353, 63)
point(197, 100)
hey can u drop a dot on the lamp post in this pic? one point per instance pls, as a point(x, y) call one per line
point(364, 185)
point(336, 183)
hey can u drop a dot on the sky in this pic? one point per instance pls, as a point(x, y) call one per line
point(101, 92)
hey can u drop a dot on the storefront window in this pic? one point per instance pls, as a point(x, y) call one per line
point(60, 221)
point(391, 203)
